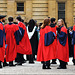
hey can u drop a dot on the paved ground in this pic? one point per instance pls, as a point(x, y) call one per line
point(35, 69)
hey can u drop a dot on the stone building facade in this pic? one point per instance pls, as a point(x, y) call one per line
point(39, 9)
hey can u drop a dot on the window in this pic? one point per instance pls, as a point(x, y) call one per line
point(61, 11)
point(20, 6)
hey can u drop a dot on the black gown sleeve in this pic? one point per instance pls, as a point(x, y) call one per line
point(17, 33)
point(1, 38)
point(21, 31)
point(62, 38)
point(49, 38)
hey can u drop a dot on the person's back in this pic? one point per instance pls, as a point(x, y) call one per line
point(12, 39)
point(9, 30)
point(24, 46)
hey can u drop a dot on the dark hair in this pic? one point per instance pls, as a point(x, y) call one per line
point(19, 18)
point(22, 20)
point(26, 23)
point(31, 25)
point(52, 20)
point(65, 24)
point(49, 17)
point(10, 19)
point(46, 23)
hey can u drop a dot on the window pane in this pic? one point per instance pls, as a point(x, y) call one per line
point(20, 6)
point(61, 6)
point(61, 11)
point(20, 9)
point(61, 14)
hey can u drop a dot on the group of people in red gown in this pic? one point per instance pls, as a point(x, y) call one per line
point(13, 39)
point(53, 42)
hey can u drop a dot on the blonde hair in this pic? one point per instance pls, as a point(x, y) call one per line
point(62, 21)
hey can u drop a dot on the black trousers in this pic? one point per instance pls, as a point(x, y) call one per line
point(19, 58)
point(11, 63)
point(47, 63)
point(73, 55)
point(0, 63)
point(30, 57)
point(53, 60)
point(62, 64)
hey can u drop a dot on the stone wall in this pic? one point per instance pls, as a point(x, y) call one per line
point(38, 9)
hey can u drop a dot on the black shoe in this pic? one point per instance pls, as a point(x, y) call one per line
point(12, 65)
point(74, 64)
point(31, 62)
point(5, 64)
point(66, 63)
point(44, 67)
point(24, 61)
point(62, 67)
point(53, 63)
point(1, 67)
point(48, 67)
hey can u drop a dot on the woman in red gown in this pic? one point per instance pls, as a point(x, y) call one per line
point(45, 48)
point(62, 46)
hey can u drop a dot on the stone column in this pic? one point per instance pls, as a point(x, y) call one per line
point(28, 9)
point(69, 12)
point(52, 8)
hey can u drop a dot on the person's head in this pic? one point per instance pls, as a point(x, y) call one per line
point(60, 22)
point(31, 24)
point(22, 20)
point(53, 20)
point(18, 19)
point(10, 19)
point(2, 18)
point(48, 17)
point(46, 23)
point(40, 24)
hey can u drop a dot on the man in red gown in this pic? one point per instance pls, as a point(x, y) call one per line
point(54, 29)
point(2, 40)
point(12, 40)
point(24, 46)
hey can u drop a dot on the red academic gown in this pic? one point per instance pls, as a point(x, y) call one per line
point(74, 39)
point(54, 29)
point(12, 39)
point(2, 43)
point(62, 46)
point(24, 46)
point(46, 45)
